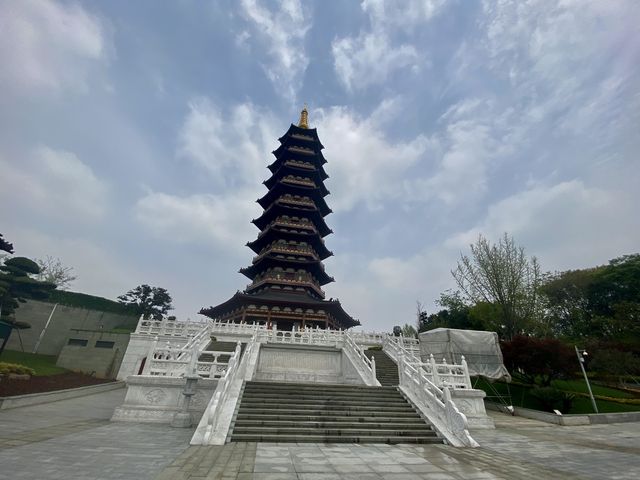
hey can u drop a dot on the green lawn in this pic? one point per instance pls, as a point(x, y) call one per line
point(581, 386)
point(42, 364)
point(520, 396)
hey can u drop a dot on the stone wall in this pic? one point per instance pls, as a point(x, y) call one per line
point(94, 352)
point(155, 399)
point(64, 318)
point(137, 351)
point(305, 363)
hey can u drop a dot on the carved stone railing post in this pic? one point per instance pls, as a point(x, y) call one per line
point(434, 371)
point(373, 370)
point(152, 349)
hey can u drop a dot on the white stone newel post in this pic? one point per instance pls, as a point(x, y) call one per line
point(465, 369)
point(434, 370)
point(152, 348)
point(373, 370)
point(193, 362)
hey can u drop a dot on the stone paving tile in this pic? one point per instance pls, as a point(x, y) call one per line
point(72, 440)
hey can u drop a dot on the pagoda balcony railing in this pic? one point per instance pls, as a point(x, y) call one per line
point(302, 150)
point(287, 250)
point(283, 223)
point(302, 137)
point(307, 183)
point(298, 283)
point(299, 164)
point(294, 201)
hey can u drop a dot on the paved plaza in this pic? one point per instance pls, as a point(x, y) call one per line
point(73, 439)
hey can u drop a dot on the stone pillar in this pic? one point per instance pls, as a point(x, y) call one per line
point(471, 402)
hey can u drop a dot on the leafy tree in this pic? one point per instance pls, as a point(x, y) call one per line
point(16, 286)
point(600, 302)
point(5, 246)
point(151, 302)
point(501, 275)
point(409, 331)
point(538, 359)
point(53, 271)
point(455, 314)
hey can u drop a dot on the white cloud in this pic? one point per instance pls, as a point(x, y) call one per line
point(403, 14)
point(284, 30)
point(364, 165)
point(567, 225)
point(219, 221)
point(571, 59)
point(234, 148)
point(371, 56)
point(99, 270)
point(54, 182)
point(48, 45)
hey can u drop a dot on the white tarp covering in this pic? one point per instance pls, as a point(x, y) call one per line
point(481, 350)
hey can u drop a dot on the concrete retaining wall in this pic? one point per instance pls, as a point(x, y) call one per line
point(101, 354)
point(572, 419)
point(46, 397)
point(64, 318)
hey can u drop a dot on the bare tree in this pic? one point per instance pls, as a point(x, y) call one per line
point(53, 271)
point(502, 275)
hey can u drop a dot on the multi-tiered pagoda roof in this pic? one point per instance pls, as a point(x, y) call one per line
point(287, 273)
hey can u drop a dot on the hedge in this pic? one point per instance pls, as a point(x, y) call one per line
point(91, 302)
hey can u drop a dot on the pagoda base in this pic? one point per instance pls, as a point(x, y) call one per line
point(286, 310)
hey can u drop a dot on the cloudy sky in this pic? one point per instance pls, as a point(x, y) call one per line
point(134, 137)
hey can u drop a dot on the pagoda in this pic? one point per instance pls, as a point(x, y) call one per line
point(287, 273)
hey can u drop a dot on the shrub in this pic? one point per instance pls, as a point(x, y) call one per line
point(542, 359)
point(7, 368)
point(553, 399)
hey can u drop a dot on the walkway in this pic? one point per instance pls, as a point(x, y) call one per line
point(72, 439)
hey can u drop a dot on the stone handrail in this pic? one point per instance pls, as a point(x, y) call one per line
point(434, 403)
point(172, 328)
point(212, 413)
point(395, 349)
point(216, 420)
point(199, 340)
point(446, 374)
point(362, 363)
point(302, 337)
point(236, 328)
point(443, 374)
point(167, 361)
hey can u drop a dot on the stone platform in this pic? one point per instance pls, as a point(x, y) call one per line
point(72, 439)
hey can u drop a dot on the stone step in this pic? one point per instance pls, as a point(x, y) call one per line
point(331, 424)
point(244, 407)
point(285, 412)
point(348, 432)
point(321, 415)
point(316, 394)
point(333, 400)
point(320, 438)
point(313, 386)
point(386, 368)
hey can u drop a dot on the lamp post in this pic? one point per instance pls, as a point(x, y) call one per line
point(584, 372)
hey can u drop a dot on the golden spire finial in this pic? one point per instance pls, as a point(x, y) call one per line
point(304, 118)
